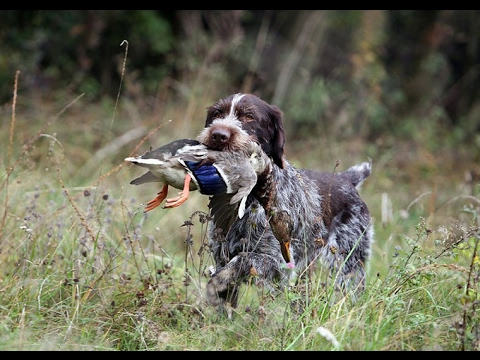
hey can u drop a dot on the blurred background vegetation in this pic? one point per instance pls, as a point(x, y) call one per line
point(363, 72)
point(80, 90)
point(399, 86)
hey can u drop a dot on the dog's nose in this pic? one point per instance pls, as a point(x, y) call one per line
point(219, 138)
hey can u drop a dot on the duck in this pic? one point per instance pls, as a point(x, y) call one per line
point(163, 166)
point(189, 165)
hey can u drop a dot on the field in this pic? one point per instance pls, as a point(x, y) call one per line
point(83, 268)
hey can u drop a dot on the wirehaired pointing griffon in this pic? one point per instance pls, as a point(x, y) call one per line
point(292, 215)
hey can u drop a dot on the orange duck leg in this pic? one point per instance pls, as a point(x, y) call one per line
point(183, 195)
point(152, 204)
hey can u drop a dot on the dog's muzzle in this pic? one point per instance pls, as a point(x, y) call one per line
point(219, 138)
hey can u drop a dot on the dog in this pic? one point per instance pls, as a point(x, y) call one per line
point(293, 217)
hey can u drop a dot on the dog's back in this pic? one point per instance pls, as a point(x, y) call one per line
point(340, 190)
point(354, 175)
point(347, 219)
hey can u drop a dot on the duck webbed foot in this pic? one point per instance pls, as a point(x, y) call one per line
point(182, 195)
point(152, 204)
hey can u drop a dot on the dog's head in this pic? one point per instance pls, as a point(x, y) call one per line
point(262, 121)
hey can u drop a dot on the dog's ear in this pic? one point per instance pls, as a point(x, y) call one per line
point(277, 140)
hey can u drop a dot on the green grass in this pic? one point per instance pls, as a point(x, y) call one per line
point(83, 268)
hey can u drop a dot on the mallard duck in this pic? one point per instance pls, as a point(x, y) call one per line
point(164, 167)
point(188, 165)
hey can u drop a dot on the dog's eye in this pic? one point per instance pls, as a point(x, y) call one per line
point(214, 112)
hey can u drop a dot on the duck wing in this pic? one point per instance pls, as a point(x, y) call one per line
point(223, 213)
point(145, 178)
point(239, 171)
point(205, 175)
point(240, 179)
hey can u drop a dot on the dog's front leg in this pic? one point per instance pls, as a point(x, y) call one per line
point(223, 286)
point(263, 269)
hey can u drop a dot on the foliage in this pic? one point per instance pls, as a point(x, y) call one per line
point(83, 268)
point(80, 49)
point(372, 64)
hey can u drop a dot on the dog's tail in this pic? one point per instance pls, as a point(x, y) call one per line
point(357, 174)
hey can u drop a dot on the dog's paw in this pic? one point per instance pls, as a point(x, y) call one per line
point(221, 288)
point(213, 291)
